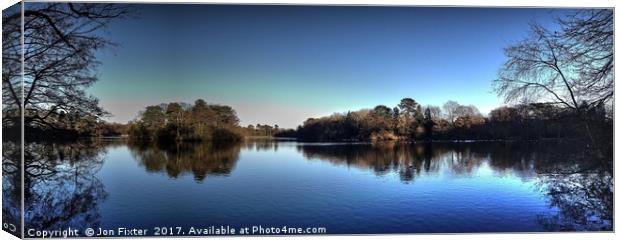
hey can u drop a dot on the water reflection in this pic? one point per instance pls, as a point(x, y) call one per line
point(63, 190)
point(523, 159)
point(200, 159)
point(585, 201)
point(406, 159)
point(580, 187)
point(11, 187)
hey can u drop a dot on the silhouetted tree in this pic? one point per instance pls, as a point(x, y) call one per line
point(60, 45)
point(571, 67)
point(428, 124)
point(435, 111)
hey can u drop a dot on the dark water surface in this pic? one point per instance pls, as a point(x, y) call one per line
point(345, 188)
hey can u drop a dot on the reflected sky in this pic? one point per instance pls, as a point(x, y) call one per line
point(347, 188)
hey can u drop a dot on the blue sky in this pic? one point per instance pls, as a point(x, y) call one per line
point(283, 64)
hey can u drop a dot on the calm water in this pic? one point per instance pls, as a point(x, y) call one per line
point(345, 188)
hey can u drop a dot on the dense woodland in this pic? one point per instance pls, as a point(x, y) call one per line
point(557, 84)
point(410, 121)
point(185, 122)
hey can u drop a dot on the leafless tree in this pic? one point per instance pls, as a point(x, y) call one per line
point(11, 65)
point(60, 43)
point(466, 111)
point(571, 67)
point(435, 111)
point(590, 34)
point(449, 108)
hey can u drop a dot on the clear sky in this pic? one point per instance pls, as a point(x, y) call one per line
point(284, 64)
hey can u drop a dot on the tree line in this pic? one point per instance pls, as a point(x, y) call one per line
point(186, 122)
point(453, 121)
point(183, 122)
point(559, 83)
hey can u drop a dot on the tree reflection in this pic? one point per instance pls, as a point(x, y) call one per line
point(576, 184)
point(201, 159)
point(61, 189)
point(11, 187)
point(584, 200)
point(406, 160)
point(261, 144)
point(579, 187)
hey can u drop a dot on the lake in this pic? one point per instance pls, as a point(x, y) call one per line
point(342, 188)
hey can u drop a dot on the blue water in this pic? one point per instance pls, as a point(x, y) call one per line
point(344, 188)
